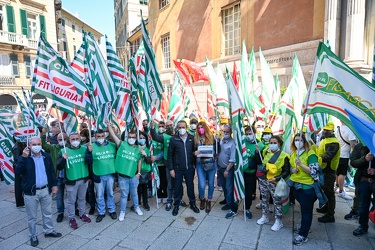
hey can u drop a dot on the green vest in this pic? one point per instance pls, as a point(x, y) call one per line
point(276, 168)
point(76, 167)
point(301, 176)
point(103, 159)
point(127, 158)
point(322, 150)
point(158, 148)
point(146, 167)
point(250, 152)
point(167, 138)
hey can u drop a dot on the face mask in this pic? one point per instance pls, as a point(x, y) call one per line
point(131, 141)
point(161, 130)
point(50, 134)
point(193, 126)
point(106, 134)
point(61, 143)
point(274, 147)
point(298, 144)
point(36, 149)
point(182, 131)
point(170, 130)
point(266, 138)
point(201, 131)
point(83, 138)
point(75, 144)
point(142, 141)
point(250, 138)
point(327, 134)
point(226, 136)
point(100, 141)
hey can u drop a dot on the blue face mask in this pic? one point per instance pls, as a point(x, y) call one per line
point(142, 142)
point(274, 147)
point(226, 136)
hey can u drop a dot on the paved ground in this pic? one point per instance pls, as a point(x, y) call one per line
point(158, 229)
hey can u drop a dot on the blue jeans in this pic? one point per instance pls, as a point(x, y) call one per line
point(106, 184)
point(228, 186)
point(306, 199)
point(60, 195)
point(202, 177)
point(365, 192)
point(128, 185)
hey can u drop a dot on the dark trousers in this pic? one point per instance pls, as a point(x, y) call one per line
point(18, 191)
point(162, 191)
point(365, 191)
point(189, 179)
point(329, 189)
point(90, 195)
point(356, 200)
point(306, 199)
point(143, 192)
point(250, 187)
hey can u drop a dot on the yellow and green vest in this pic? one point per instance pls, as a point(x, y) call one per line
point(301, 176)
point(322, 150)
point(274, 169)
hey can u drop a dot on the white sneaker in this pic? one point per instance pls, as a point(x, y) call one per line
point(165, 200)
point(158, 200)
point(336, 189)
point(259, 205)
point(271, 208)
point(138, 211)
point(278, 224)
point(264, 219)
point(121, 216)
point(344, 195)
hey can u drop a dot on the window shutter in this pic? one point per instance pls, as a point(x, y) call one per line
point(14, 63)
point(27, 62)
point(10, 18)
point(24, 27)
point(42, 21)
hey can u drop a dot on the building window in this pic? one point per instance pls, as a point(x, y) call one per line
point(74, 49)
point(232, 30)
point(73, 28)
point(64, 46)
point(163, 3)
point(2, 15)
point(63, 22)
point(165, 45)
point(143, 2)
point(32, 26)
point(5, 69)
point(14, 63)
point(28, 66)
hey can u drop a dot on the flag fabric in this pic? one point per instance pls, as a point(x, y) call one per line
point(365, 130)
point(155, 178)
point(234, 75)
point(194, 70)
point(335, 87)
point(55, 78)
point(78, 62)
point(184, 73)
point(316, 121)
point(70, 121)
point(268, 84)
point(236, 109)
point(373, 69)
point(210, 105)
point(153, 83)
point(6, 156)
point(134, 96)
point(176, 106)
point(36, 117)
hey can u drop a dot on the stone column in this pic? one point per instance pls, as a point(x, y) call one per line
point(355, 25)
point(332, 24)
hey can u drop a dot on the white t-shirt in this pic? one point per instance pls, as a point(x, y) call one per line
point(348, 136)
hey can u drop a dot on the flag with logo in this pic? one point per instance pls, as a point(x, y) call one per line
point(35, 115)
point(335, 87)
point(237, 109)
point(134, 95)
point(176, 106)
point(6, 156)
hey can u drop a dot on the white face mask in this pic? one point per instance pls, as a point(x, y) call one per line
point(250, 138)
point(36, 149)
point(161, 130)
point(298, 144)
point(83, 138)
point(106, 134)
point(182, 131)
point(75, 144)
point(62, 143)
point(50, 134)
point(274, 147)
point(142, 142)
point(226, 136)
point(131, 141)
point(100, 141)
point(193, 126)
point(266, 138)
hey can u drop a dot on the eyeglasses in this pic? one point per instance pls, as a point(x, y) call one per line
point(131, 137)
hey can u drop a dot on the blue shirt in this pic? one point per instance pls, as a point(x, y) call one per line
point(40, 171)
point(227, 152)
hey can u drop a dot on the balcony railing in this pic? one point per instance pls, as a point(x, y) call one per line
point(6, 80)
point(17, 39)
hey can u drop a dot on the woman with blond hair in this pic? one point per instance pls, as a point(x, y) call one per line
point(205, 165)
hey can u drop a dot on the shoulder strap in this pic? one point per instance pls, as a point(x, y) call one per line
point(274, 157)
point(341, 136)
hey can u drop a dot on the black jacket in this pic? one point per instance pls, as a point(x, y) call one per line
point(357, 160)
point(181, 155)
point(26, 168)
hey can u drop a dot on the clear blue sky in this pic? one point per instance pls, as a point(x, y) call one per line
point(99, 14)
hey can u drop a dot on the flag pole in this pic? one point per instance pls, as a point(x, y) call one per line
point(61, 131)
point(89, 121)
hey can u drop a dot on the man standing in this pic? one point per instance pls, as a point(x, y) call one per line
point(347, 142)
point(75, 162)
point(193, 126)
point(226, 161)
point(38, 180)
point(329, 156)
point(103, 173)
point(181, 161)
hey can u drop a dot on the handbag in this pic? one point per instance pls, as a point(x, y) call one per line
point(208, 164)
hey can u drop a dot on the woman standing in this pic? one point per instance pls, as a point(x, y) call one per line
point(205, 165)
point(277, 166)
point(145, 170)
point(304, 163)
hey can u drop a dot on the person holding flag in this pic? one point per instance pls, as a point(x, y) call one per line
point(277, 166)
point(74, 161)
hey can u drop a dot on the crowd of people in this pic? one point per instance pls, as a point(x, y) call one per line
point(87, 170)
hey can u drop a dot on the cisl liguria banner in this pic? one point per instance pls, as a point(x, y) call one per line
point(335, 87)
